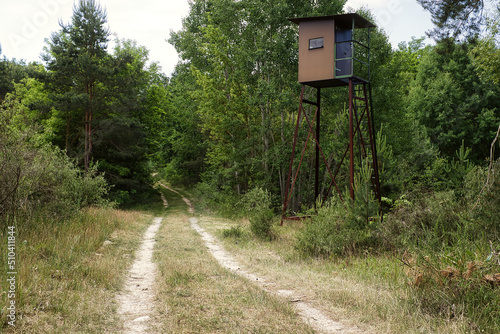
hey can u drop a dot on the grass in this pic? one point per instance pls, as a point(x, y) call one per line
point(196, 295)
point(67, 276)
point(371, 292)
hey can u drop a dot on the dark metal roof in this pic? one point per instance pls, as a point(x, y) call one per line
point(342, 20)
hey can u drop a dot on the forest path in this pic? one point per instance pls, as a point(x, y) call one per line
point(309, 314)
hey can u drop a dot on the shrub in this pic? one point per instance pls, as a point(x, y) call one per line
point(36, 177)
point(217, 200)
point(342, 228)
point(257, 204)
point(336, 230)
point(261, 224)
point(432, 219)
point(256, 200)
point(459, 282)
point(485, 200)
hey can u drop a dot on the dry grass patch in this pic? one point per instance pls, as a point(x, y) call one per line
point(368, 292)
point(196, 295)
point(68, 272)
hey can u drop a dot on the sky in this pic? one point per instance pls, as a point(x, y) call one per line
point(25, 24)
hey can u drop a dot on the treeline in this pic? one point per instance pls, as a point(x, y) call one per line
point(224, 121)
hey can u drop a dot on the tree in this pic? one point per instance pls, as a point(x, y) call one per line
point(242, 53)
point(454, 18)
point(486, 55)
point(76, 61)
point(184, 145)
point(129, 131)
point(453, 103)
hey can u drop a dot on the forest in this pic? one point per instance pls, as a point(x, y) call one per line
point(88, 126)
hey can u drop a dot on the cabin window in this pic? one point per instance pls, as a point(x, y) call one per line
point(316, 43)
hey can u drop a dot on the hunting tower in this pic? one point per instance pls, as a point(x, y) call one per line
point(335, 51)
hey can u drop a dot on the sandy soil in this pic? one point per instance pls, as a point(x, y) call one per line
point(135, 302)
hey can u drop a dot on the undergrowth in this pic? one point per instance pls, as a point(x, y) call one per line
point(448, 240)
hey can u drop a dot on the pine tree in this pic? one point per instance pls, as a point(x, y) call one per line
point(76, 62)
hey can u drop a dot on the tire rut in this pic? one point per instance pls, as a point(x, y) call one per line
point(135, 301)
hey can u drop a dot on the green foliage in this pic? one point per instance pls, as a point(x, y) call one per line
point(261, 224)
point(36, 177)
point(242, 56)
point(184, 144)
point(13, 72)
point(457, 170)
point(486, 200)
point(256, 200)
point(335, 231)
point(486, 55)
point(218, 200)
point(257, 204)
point(455, 18)
point(451, 101)
point(224, 124)
point(108, 96)
point(342, 228)
point(433, 220)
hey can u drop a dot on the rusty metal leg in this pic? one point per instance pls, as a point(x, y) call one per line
point(295, 137)
point(351, 139)
point(316, 184)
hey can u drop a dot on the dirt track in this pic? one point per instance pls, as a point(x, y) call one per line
point(137, 299)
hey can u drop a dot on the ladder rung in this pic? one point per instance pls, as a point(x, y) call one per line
point(310, 102)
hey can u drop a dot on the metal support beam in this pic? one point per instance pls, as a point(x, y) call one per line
point(351, 138)
point(361, 144)
point(316, 183)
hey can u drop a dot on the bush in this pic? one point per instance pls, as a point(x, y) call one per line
point(342, 228)
point(432, 219)
point(459, 282)
point(217, 200)
point(436, 220)
point(261, 224)
point(256, 200)
point(336, 230)
point(36, 177)
point(257, 204)
point(484, 199)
